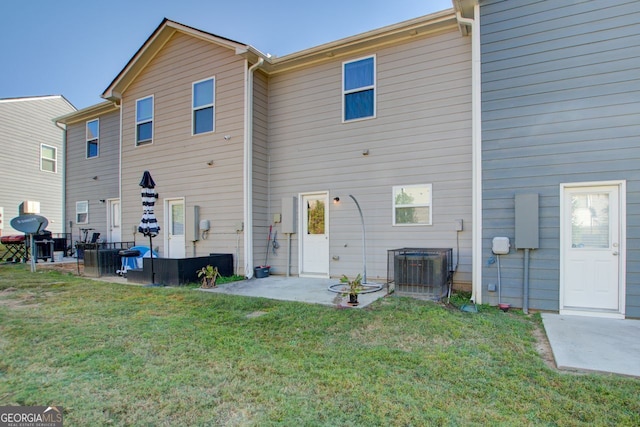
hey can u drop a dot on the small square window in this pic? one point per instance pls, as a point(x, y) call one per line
point(412, 204)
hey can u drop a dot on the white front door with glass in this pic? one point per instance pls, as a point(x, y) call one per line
point(175, 242)
point(314, 245)
point(113, 219)
point(591, 250)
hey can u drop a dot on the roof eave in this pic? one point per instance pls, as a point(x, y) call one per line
point(150, 48)
point(86, 113)
point(391, 34)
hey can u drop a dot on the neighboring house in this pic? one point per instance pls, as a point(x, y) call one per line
point(31, 159)
point(560, 125)
point(251, 143)
point(92, 155)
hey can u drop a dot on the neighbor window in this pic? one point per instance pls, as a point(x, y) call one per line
point(358, 89)
point(48, 158)
point(412, 204)
point(82, 212)
point(144, 120)
point(203, 112)
point(93, 135)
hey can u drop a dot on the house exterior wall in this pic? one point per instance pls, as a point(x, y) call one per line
point(178, 161)
point(81, 185)
point(421, 135)
point(560, 104)
point(25, 124)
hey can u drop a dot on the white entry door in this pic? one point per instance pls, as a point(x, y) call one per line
point(175, 242)
point(314, 224)
point(591, 250)
point(113, 221)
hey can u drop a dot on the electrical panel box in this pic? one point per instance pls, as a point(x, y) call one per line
point(500, 245)
point(289, 214)
point(205, 225)
point(193, 233)
point(527, 223)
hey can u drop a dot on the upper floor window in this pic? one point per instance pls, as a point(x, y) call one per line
point(48, 158)
point(412, 204)
point(203, 106)
point(144, 120)
point(93, 135)
point(358, 89)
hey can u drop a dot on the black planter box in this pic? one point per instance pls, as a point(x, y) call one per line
point(101, 262)
point(180, 271)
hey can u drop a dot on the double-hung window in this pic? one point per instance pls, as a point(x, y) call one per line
point(412, 204)
point(144, 120)
point(82, 212)
point(203, 106)
point(93, 136)
point(359, 89)
point(48, 158)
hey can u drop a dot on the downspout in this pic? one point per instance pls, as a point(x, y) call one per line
point(248, 170)
point(64, 177)
point(476, 153)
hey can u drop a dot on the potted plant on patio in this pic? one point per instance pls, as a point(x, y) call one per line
point(353, 288)
point(209, 275)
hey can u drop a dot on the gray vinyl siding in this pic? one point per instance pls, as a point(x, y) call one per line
point(560, 104)
point(178, 161)
point(25, 124)
point(81, 185)
point(421, 135)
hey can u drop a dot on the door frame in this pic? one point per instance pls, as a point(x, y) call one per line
point(622, 247)
point(301, 225)
point(167, 216)
point(110, 219)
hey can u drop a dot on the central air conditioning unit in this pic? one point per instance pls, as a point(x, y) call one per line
point(424, 272)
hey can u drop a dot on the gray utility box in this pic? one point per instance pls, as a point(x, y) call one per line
point(420, 271)
point(527, 224)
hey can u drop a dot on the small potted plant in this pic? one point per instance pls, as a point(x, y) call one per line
point(209, 276)
point(353, 288)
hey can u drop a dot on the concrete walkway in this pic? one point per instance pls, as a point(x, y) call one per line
point(594, 344)
point(300, 289)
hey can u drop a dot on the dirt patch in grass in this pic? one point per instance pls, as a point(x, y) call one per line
point(543, 346)
point(9, 299)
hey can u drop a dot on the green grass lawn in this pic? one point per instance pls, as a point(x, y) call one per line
point(126, 355)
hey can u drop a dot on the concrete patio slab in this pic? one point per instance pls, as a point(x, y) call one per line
point(594, 344)
point(301, 289)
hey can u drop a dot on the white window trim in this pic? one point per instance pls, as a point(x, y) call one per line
point(194, 109)
point(96, 139)
point(361, 89)
point(86, 202)
point(54, 160)
point(429, 205)
point(153, 114)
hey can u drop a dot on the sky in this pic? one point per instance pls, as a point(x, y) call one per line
point(75, 48)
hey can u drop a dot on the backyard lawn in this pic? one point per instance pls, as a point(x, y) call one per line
point(113, 354)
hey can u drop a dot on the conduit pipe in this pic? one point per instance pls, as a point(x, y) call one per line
point(476, 153)
point(248, 169)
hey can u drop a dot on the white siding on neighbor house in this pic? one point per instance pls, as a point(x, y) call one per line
point(178, 161)
point(421, 135)
point(25, 124)
point(81, 185)
point(560, 104)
